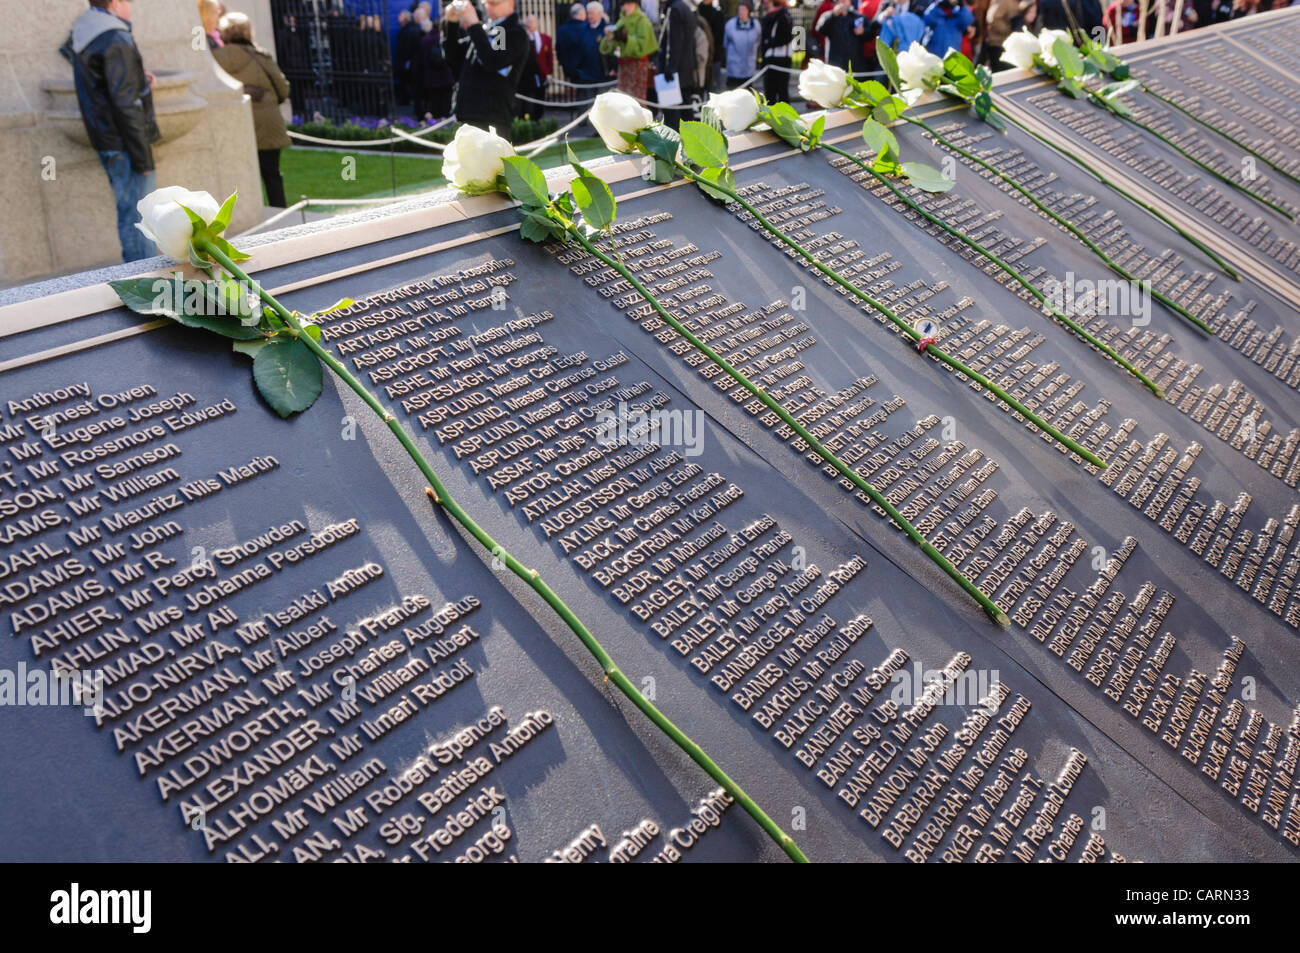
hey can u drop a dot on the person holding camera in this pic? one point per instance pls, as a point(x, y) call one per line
point(843, 28)
point(632, 38)
point(489, 79)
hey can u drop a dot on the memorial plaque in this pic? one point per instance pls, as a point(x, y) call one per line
point(1207, 182)
point(305, 659)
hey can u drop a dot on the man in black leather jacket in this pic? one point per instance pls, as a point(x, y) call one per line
point(117, 108)
point(498, 52)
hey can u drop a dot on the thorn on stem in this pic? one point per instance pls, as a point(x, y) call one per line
point(432, 495)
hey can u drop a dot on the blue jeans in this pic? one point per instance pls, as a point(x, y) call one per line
point(129, 187)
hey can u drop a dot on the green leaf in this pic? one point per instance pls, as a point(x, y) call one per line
point(176, 298)
point(1067, 58)
point(661, 142)
point(885, 166)
point(993, 120)
point(881, 140)
point(703, 144)
point(785, 122)
point(525, 181)
point(233, 253)
point(571, 157)
point(926, 177)
point(1070, 86)
point(195, 218)
point(957, 65)
point(815, 133)
point(888, 62)
point(985, 76)
point(888, 109)
point(1123, 88)
point(534, 231)
point(336, 306)
point(662, 172)
point(1117, 106)
point(983, 104)
point(288, 375)
point(141, 295)
point(226, 297)
point(538, 226)
point(312, 331)
point(595, 200)
point(959, 72)
point(721, 175)
point(223, 216)
point(876, 89)
point(250, 347)
point(1121, 70)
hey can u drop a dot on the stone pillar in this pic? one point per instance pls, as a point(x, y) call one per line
point(58, 208)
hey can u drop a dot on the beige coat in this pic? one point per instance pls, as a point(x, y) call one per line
point(253, 66)
point(1000, 14)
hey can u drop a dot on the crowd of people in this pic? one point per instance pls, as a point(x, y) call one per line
point(476, 61)
point(656, 49)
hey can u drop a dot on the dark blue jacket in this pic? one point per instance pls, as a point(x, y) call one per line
point(577, 47)
point(947, 26)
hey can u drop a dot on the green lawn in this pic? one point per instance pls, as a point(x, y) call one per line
point(324, 174)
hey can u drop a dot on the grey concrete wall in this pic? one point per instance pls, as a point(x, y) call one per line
point(59, 210)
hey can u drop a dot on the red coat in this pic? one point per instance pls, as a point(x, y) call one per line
point(545, 56)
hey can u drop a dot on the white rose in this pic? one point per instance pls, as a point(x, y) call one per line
point(472, 160)
point(823, 84)
point(165, 223)
point(736, 109)
point(1045, 41)
point(1019, 49)
point(615, 113)
point(918, 68)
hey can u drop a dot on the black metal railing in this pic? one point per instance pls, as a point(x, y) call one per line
point(336, 56)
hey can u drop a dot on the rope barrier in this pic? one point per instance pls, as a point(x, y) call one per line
point(370, 142)
point(321, 203)
point(555, 104)
point(537, 145)
point(528, 149)
point(560, 82)
point(296, 206)
point(436, 146)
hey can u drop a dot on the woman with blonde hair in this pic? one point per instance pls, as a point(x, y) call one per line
point(267, 88)
point(210, 14)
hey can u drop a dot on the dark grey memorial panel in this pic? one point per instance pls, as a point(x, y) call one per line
point(1218, 80)
point(309, 662)
point(562, 756)
point(1218, 77)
